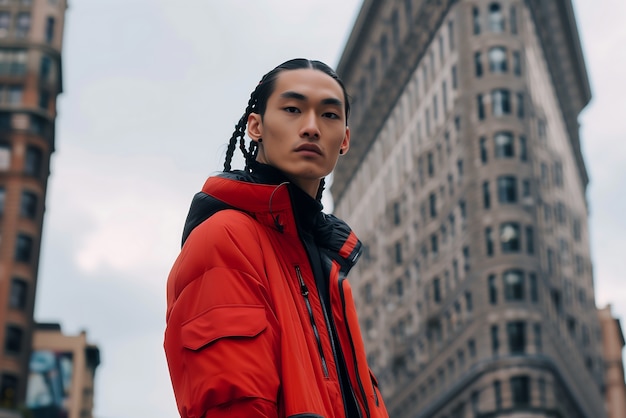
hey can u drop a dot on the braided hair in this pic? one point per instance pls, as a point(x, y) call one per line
point(258, 103)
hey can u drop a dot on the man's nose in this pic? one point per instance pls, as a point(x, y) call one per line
point(310, 127)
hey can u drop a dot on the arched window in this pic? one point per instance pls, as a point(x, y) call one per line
point(497, 60)
point(504, 145)
point(501, 102)
point(507, 189)
point(513, 284)
point(510, 237)
point(496, 18)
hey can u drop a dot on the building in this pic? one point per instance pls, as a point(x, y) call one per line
point(62, 371)
point(466, 183)
point(613, 343)
point(30, 80)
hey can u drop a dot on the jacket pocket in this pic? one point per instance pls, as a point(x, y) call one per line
point(225, 321)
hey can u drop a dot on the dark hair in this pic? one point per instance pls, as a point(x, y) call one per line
point(258, 102)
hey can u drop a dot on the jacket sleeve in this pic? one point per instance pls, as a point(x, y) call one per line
point(221, 334)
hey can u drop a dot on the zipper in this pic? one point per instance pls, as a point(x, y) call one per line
point(356, 366)
point(339, 377)
point(304, 291)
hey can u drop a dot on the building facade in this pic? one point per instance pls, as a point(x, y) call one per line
point(61, 376)
point(466, 183)
point(613, 345)
point(30, 80)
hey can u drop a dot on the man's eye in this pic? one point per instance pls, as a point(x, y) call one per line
point(291, 109)
point(331, 115)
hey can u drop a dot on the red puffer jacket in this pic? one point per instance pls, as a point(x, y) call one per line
point(247, 334)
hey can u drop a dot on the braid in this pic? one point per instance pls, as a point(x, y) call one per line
point(239, 133)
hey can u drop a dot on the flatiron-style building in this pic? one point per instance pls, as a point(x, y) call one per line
point(31, 34)
point(466, 183)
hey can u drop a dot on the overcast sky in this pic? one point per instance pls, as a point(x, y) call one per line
point(153, 89)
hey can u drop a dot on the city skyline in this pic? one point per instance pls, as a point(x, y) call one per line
point(139, 128)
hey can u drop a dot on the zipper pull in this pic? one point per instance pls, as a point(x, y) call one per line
point(303, 289)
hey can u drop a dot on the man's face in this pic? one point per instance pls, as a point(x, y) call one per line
point(304, 127)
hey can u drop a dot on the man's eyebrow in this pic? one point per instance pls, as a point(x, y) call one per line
point(302, 97)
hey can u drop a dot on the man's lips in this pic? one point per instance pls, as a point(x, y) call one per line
point(309, 147)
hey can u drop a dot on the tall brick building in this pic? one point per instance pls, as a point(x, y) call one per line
point(466, 182)
point(30, 79)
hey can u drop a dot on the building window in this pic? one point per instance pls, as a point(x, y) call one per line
point(398, 252)
point(516, 333)
point(432, 199)
point(478, 64)
point(8, 391)
point(513, 17)
point(44, 99)
point(28, 205)
point(496, 19)
point(530, 240)
point(497, 391)
point(501, 102)
point(545, 181)
point(489, 241)
point(23, 248)
point(435, 108)
point(476, 20)
point(537, 332)
point(509, 237)
point(5, 24)
point(486, 195)
point(12, 95)
point(455, 82)
point(495, 341)
point(13, 339)
point(12, 61)
point(517, 63)
point(481, 107)
point(576, 226)
point(483, 150)
point(45, 68)
point(532, 284)
point(558, 174)
point(525, 188)
point(22, 26)
point(507, 189)
point(468, 302)
point(5, 156)
point(434, 245)
point(520, 105)
point(520, 390)
point(550, 258)
point(475, 400)
point(32, 162)
point(436, 290)
point(504, 145)
point(49, 29)
point(513, 285)
point(451, 35)
point(444, 96)
point(497, 60)
point(523, 149)
point(493, 290)
point(3, 197)
point(471, 347)
point(384, 50)
point(560, 213)
point(18, 294)
point(431, 164)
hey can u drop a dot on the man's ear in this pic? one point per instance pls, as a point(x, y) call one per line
point(255, 126)
point(345, 144)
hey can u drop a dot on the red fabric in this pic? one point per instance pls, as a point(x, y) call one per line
point(239, 339)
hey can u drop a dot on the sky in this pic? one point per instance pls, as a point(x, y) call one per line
point(152, 92)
